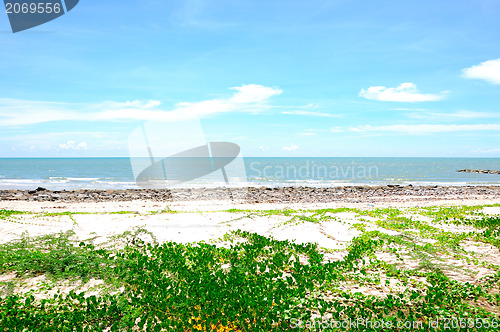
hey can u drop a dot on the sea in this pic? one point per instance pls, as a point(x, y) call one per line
point(119, 173)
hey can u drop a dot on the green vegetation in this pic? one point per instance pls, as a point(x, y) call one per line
point(6, 214)
point(404, 272)
point(53, 255)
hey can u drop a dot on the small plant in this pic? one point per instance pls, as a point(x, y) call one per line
point(58, 256)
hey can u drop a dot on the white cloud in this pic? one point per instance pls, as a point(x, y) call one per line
point(454, 115)
point(52, 136)
point(487, 70)
point(406, 92)
point(408, 109)
point(291, 147)
point(82, 146)
point(15, 112)
point(71, 145)
point(337, 129)
point(134, 104)
point(312, 132)
point(251, 97)
point(263, 148)
point(487, 151)
point(308, 113)
point(426, 128)
point(253, 93)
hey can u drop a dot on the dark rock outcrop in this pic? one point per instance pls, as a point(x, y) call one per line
point(480, 171)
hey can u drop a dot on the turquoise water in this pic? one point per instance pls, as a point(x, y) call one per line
point(116, 173)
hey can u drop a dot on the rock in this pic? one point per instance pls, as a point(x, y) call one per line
point(480, 171)
point(348, 194)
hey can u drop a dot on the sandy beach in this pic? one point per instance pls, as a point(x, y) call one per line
point(201, 214)
point(424, 229)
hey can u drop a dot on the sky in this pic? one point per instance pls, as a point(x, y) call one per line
point(314, 78)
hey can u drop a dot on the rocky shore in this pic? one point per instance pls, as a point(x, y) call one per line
point(351, 194)
point(479, 171)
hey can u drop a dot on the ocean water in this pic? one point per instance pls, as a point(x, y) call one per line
point(117, 173)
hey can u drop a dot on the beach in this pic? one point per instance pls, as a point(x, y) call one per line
point(146, 206)
point(415, 230)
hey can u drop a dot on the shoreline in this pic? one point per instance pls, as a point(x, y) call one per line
point(346, 194)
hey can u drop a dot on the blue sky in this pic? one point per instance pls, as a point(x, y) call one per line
point(279, 78)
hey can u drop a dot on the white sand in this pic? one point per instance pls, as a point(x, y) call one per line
point(206, 221)
point(198, 220)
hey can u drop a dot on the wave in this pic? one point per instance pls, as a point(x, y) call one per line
point(61, 183)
